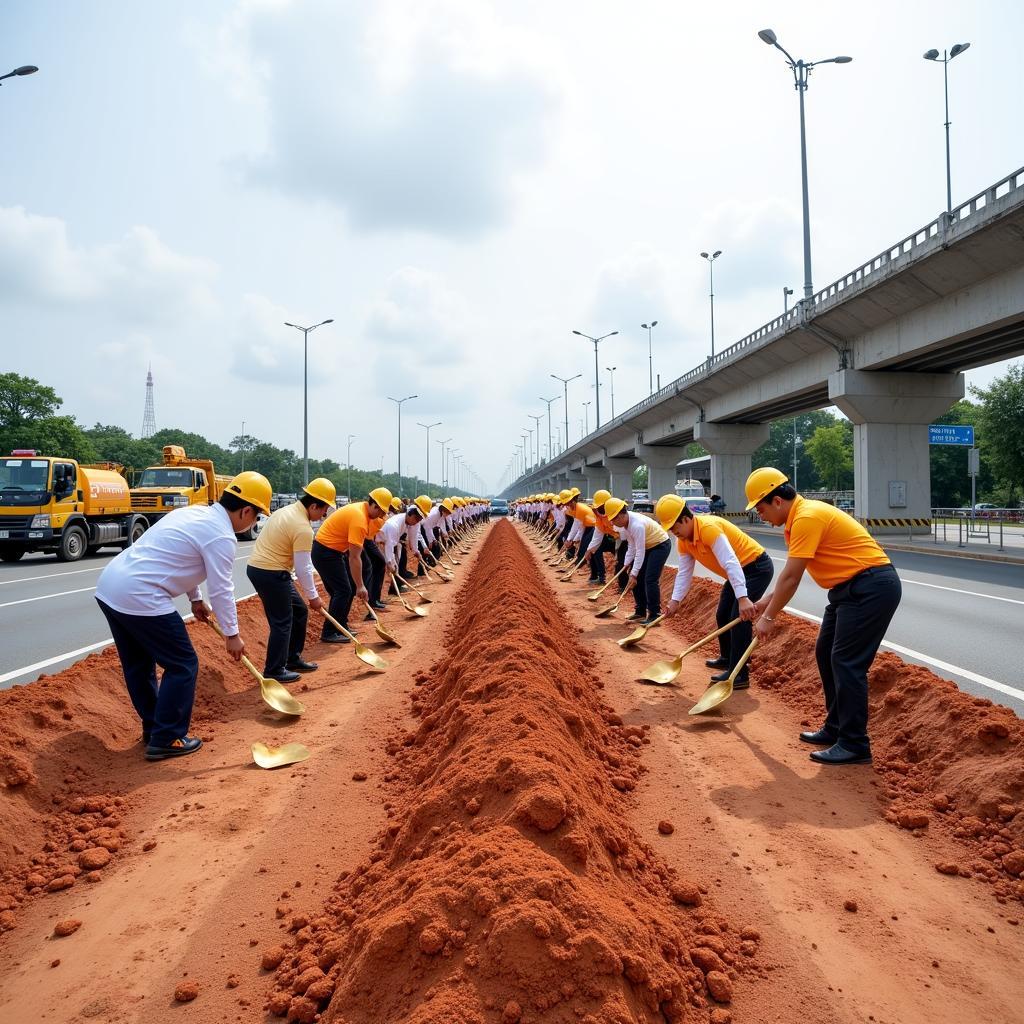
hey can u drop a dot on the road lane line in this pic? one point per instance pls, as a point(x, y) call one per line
point(43, 597)
point(53, 661)
point(944, 666)
point(52, 575)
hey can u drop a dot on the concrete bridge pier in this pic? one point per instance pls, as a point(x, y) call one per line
point(620, 477)
point(891, 467)
point(661, 467)
point(575, 478)
point(597, 477)
point(731, 446)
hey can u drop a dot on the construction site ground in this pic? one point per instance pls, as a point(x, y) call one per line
point(506, 826)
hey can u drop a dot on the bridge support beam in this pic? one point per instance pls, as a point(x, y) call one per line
point(620, 477)
point(661, 468)
point(731, 446)
point(597, 477)
point(891, 467)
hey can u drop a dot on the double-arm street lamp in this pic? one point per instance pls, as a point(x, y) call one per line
point(548, 401)
point(711, 257)
point(398, 403)
point(566, 381)
point(944, 60)
point(611, 380)
point(305, 392)
point(801, 70)
point(650, 352)
point(444, 463)
point(597, 389)
point(536, 427)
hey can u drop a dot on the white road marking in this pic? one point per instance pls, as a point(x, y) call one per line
point(43, 597)
point(943, 666)
point(52, 575)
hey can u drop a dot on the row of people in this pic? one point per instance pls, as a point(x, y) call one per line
point(863, 587)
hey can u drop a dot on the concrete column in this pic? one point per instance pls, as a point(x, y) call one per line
point(597, 477)
point(575, 478)
point(661, 468)
point(731, 445)
point(891, 467)
point(620, 476)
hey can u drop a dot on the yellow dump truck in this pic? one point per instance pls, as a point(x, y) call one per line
point(179, 481)
point(48, 503)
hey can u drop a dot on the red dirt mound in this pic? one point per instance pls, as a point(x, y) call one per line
point(509, 885)
point(946, 759)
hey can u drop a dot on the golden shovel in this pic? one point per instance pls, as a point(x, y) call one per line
point(423, 597)
point(572, 572)
point(639, 633)
point(664, 672)
point(597, 593)
point(272, 692)
point(278, 757)
point(611, 609)
point(447, 549)
point(381, 631)
point(363, 653)
point(719, 693)
point(421, 612)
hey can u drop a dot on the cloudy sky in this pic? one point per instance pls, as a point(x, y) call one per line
point(459, 185)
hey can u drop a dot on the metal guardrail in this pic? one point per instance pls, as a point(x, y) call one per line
point(974, 524)
point(868, 272)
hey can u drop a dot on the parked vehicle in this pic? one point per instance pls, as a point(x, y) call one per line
point(499, 507)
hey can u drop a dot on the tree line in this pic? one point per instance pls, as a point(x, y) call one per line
point(29, 418)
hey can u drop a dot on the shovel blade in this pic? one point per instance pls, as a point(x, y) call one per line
point(634, 638)
point(662, 673)
point(371, 658)
point(275, 695)
point(605, 612)
point(278, 757)
point(386, 636)
point(714, 695)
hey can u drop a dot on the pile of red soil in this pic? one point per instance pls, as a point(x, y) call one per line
point(69, 742)
point(946, 760)
point(509, 885)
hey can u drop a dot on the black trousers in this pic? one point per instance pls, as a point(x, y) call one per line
point(378, 566)
point(758, 575)
point(852, 629)
point(337, 580)
point(648, 580)
point(286, 615)
point(597, 557)
point(620, 560)
point(143, 642)
point(583, 543)
point(564, 532)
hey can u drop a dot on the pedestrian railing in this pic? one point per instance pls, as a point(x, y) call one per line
point(978, 525)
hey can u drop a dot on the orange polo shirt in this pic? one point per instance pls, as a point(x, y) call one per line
point(836, 545)
point(605, 526)
point(346, 528)
point(706, 530)
point(584, 514)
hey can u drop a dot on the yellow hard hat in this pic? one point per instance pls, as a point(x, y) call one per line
point(424, 504)
point(396, 505)
point(600, 497)
point(448, 505)
point(253, 488)
point(761, 482)
point(668, 509)
point(574, 491)
point(612, 507)
point(382, 497)
point(460, 502)
point(322, 489)
point(562, 496)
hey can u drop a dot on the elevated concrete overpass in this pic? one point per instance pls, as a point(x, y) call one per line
point(887, 344)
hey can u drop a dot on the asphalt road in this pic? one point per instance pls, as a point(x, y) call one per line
point(963, 618)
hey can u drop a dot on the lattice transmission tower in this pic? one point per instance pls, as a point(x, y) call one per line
point(149, 415)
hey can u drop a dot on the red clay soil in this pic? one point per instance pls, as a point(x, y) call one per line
point(510, 885)
point(948, 761)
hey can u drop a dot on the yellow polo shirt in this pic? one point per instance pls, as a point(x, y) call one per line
point(836, 545)
point(706, 530)
point(653, 533)
point(286, 531)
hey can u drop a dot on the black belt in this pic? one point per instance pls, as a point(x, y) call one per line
point(870, 571)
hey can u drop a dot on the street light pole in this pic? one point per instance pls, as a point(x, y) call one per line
point(586, 415)
point(566, 381)
point(650, 353)
point(801, 70)
point(348, 459)
point(444, 464)
point(305, 392)
point(597, 391)
point(548, 401)
point(711, 267)
point(243, 446)
point(398, 403)
point(786, 292)
point(536, 427)
point(428, 427)
point(611, 377)
point(947, 56)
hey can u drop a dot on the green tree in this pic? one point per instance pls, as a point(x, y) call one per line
point(24, 400)
point(777, 451)
point(55, 435)
point(831, 451)
point(1002, 429)
point(115, 444)
point(951, 486)
point(640, 478)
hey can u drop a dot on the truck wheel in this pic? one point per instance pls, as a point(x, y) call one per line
point(12, 555)
point(135, 531)
point(72, 544)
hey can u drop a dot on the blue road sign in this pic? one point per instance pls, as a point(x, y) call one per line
point(945, 433)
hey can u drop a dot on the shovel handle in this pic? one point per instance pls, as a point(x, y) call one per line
point(609, 583)
point(743, 660)
point(711, 636)
point(257, 675)
point(338, 626)
point(394, 583)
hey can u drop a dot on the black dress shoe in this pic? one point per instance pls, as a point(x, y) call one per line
point(592, 581)
point(378, 605)
point(339, 639)
point(717, 663)
point(636, 617)
point(283, 675)
point(837, 754)
point(822, 737)
point(741, 682)
point(369, 617)
point(298, 665)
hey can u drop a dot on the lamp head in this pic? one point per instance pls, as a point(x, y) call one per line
point(955, 52)
point(31, 69)
point(841, 60)
point(931, 54)
point(654, 323)
point(717, 254)
point(705, 255)
point(766, 35)
point(580, 333)
point(322, 322)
